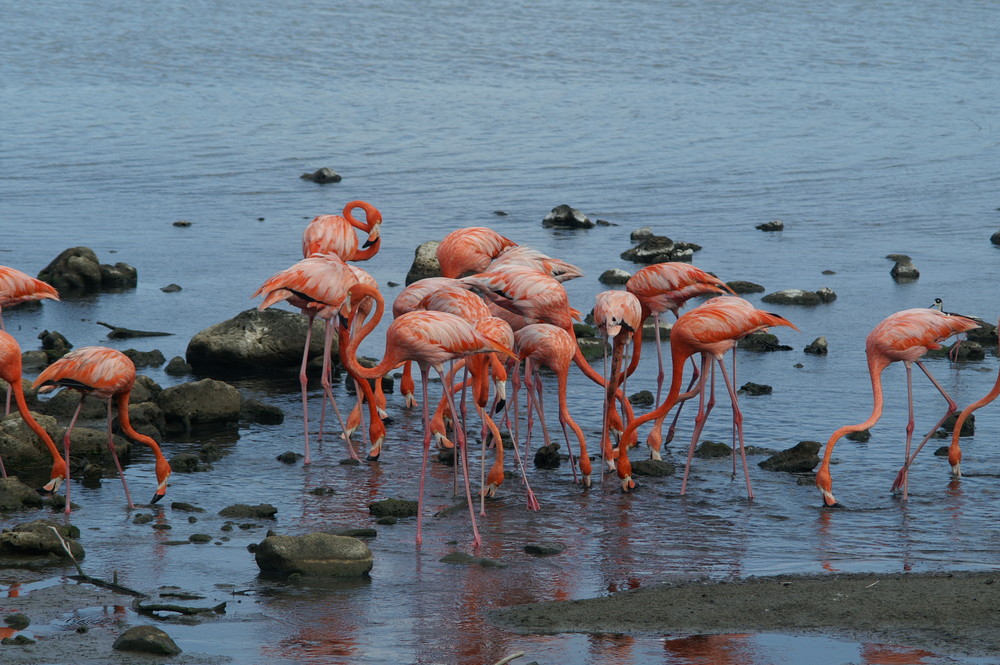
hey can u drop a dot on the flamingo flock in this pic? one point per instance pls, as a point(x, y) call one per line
point(498, 304)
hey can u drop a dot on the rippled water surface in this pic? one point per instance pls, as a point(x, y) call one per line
point(868, 128)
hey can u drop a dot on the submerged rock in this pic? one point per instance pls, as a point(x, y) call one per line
point(314, 554)
point(77, 270)
point(800, 297)
point(800, 458)
point(200, 404)
point(652, 468)
point(904, 271)
point(255, 341)
point(566, 217)
point(322, 176)
point(818, 347)
point(393, 508)
point(547, 457)
point(741, 287)
point(38, 539)
point(773, 225)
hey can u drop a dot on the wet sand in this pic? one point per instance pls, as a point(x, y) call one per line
point(950, 613)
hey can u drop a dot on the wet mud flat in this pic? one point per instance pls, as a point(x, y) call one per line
point(952, 613)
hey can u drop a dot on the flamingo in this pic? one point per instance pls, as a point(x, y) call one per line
point(660, 288)
point(904, 336)
point(335, 233)
point(318, 286)
point(469, 250)
point(409, 300)
point(10, 371)
point(551, 346)
point(955, 450)
point(539, 298)
point(712, 328)
point(617, 315)
point(17, 287)
point(428, 338)
point(522, 255)
point(109, 375)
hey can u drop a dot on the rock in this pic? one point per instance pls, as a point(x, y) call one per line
point(77, 270)
point(711, 449)
point(860, 436)
point(641, 234)
point(961, 351)
point(185, 507)
point(899, 258)
point(653, 249)
point(762, 342)
point(255, 341)
point(20, 447)
point(393, 508)
point(170, 288)
point(200, 404)
point(584, 330)
point(904, 271)
point(54, 345)
point(818, 347)
point(652, 468)
point(425, 263)
point(182, 223)
point(794, 297)
point(754, 389)
point(463, 559)
point(968, 427)
point(614, 276)
point(314, 554)
point(322, 176)
point(800, 458)
point(985, 334)
point(241, 510)
point(152, 358)
point(147, 418)
point(15, 495)
point(591, 348)
point(547, 457)
point(146, 639)
point(773, 225)
point(544, 548)
point(178, 367)
point(289, 457)
point(200, 538)
point(17, 621)
point(186, 463)
point(38, 539)
point(565, 217)
point(995, 238)
point(255, 411)
point(741, 287)
point(649, 329)
point(641, 398)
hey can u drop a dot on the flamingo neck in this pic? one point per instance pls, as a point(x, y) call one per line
point(875, 368)
point(349, 342)
point(22, 407)
point(126, 425)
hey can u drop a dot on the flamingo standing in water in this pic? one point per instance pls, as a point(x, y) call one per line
point(550, 346)
point(17, 287)
point(335, 233)
point(409, 300)
point(904, 336)
point(955, 449)
point(109, 375)
point(428, 338)
point(617, 315)
point(469, 250)
point(711, 329)
point(660, 288)
point(318, 286)
point(10, 371)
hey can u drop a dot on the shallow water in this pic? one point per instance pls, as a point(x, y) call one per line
point(868, 129)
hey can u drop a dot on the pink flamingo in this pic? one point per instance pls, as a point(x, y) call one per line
point(469, 250)
point(550, 346)
point(409, 300)
point(109, 375)
point(10, 371)
point(660, 288)
point(617, 315)
point(428, 338)
point(335, 233)
point(318, 286)
point(955, 449)
point(17, 287)
point(522, 255)
point(904, 336)
point(712, 328)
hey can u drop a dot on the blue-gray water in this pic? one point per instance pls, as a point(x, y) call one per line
point(868, 128)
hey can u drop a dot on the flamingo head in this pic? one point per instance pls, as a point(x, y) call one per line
point(163, 472)
point(376, 432)
point(955, 459)
point(825, 484)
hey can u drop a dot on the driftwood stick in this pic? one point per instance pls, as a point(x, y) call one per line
point(83, 577)
point(150, 608)
point(117, 332)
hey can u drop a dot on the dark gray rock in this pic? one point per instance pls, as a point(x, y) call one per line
point(170, 288)
point(77, 270)
point(38, 539)
point(393, 508)
point(614, 276)
point(242, 510)
point(904, 271)
point(146, 639)
point(200, 404)
point(860, 436)
point(800, 458)
point(711, 449)
point(652, 468)
point(178, 367)
point(794, 297)
point(755, 389)
point(15, 495)
point(762, 342)
point(425, 262)
point(255, 411)
point(314, 554)
point(566, 217)
point(818, 347)
point(187, 463)
point(641, 234)
point(17, 621)
point(54, 344)
point(152, 358)
point(641, 398)
point(322, 176)
point(255, 341)
point(544, 548)
point(20, 447)
point(773, 225)
point(741, 287)
point(463, 559)
point(547, 457)
point(652, 249)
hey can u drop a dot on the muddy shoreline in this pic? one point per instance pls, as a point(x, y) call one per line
point(950, 613)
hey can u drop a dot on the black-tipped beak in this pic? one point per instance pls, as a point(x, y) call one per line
point(44, 492)
point(156, 497)
point(372, 458)
point(501, 403)
point(344, 322)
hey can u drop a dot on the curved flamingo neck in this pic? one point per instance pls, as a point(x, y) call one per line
point(349, 342)
point(126, 425)
point(876, 365)
point(678, 357)
point(370, 215)
point(978, 404)
point(22, 407)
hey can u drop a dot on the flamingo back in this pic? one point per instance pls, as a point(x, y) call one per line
point(17, 287)
point(909, 334)
point(409, 298)
point(458, 301)
point(431, 337)
point(318, 284)
point(717, 324)
point(329, 234)
point(521, 255)
point(470, 250)
point(667, 286)
point(533, 294)
point(546, 344)
point(95, 370)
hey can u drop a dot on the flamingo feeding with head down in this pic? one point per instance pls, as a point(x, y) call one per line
point(17, 287)
point(470, 250)
point(429, 338)
point(712, 329)
point(335, 233)
point(109, 375)
point(955, 449)
point(901, 337)
point(10, 371)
